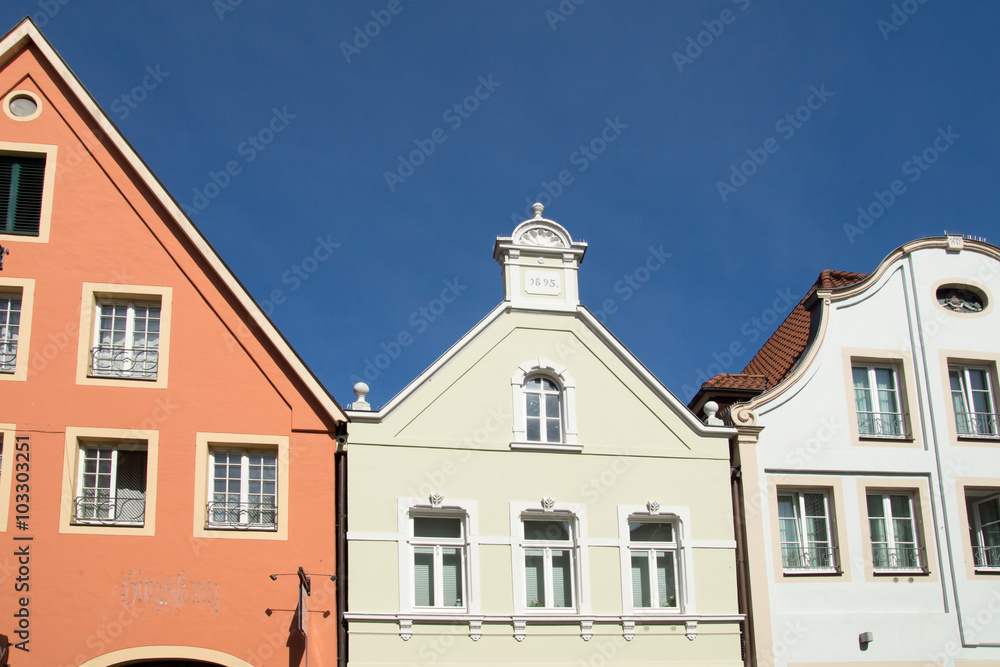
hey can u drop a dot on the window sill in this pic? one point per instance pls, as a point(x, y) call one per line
point(113, 376)
point(242, 529)
point(107, 524)
point(545, 447)
point(988, 570)
point(989, 437)
point(814, 572)
point(900, 572)
point(890, 438)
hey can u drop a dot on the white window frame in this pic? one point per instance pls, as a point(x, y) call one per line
point(974, 428)
point(22, 289)
point(558, 374)
point(979, 543)
point(804, 546)
point(437, 545)
point(129, 352)
point(892, 542)
point(467, 511)
point(877, 430)
point(244, 511)
point(576, 515)
point(8, 338)
point(680, 518)
point(114, 448)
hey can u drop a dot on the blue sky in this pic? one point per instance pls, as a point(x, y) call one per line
point(350, 161)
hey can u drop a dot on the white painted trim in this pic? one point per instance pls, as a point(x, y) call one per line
point(468, 511)
point(581, 569)
point(680, 517)
point(364, 536)
point(26, 30)
point(567, 389)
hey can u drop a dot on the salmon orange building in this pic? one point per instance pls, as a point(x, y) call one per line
point(164, 450)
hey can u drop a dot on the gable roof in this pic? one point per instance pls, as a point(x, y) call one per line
point(26, 34)
point(778, 355)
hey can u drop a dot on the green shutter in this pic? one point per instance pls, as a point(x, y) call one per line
point(21, 184)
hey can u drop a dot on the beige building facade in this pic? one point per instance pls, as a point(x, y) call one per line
point(536, 496)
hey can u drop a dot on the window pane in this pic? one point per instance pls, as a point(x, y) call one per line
point(437, 527)
point(548, 385)
point(562, 578)
point(534, 430)
point(451, 577)
point(989, 511)
point(423, 576)
point(533, 404)
point(650, 532)
point(666, 579)
point(641, 593)
point(552, 406)
point(534, 566)
point(552, 430)
point(546, 530)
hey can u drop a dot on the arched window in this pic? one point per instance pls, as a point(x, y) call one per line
point(544, 410)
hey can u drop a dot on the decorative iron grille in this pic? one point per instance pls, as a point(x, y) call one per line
point(818, 557)
point(250, 515)
point(122, 361)
point(899, 558)
point(882, 424)
point(977, 424)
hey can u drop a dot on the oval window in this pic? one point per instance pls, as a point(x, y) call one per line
point(961, 298)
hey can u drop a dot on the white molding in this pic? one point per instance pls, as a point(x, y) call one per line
point(567, 389)
point(366, 536)
point(680, 517)
point(468, 510)
point(581, 567)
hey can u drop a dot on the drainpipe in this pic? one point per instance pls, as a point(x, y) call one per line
point(340, 489)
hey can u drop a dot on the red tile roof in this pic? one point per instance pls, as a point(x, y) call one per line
point(779, 354)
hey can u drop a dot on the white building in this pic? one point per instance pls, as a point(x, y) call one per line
point(868, 470)
point(536, 496)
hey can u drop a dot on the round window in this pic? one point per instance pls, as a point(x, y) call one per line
point(22, 106)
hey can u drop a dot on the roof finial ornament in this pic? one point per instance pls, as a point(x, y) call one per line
point(537, 209)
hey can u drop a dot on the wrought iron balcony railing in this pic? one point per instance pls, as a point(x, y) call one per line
point(882, 424)
point(121, 361)
point(242, 516)
point(107, 511)
point(987, 558)
point(885, 559)
point(808, 559)
point(8, 356)
point(977, 424)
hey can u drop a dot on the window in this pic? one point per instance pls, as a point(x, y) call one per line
point(21, 186)
point(892, 522)
point(439, 561)
point(544, 407)
point(244, 489)
point(653, 556)
point(111, 487)
point(972, 399)
point(126, 340)
point(984, 524)
point(549, 549)
point(804, 527)
point(876, 395)
point(10, 324)
point(543, 410)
